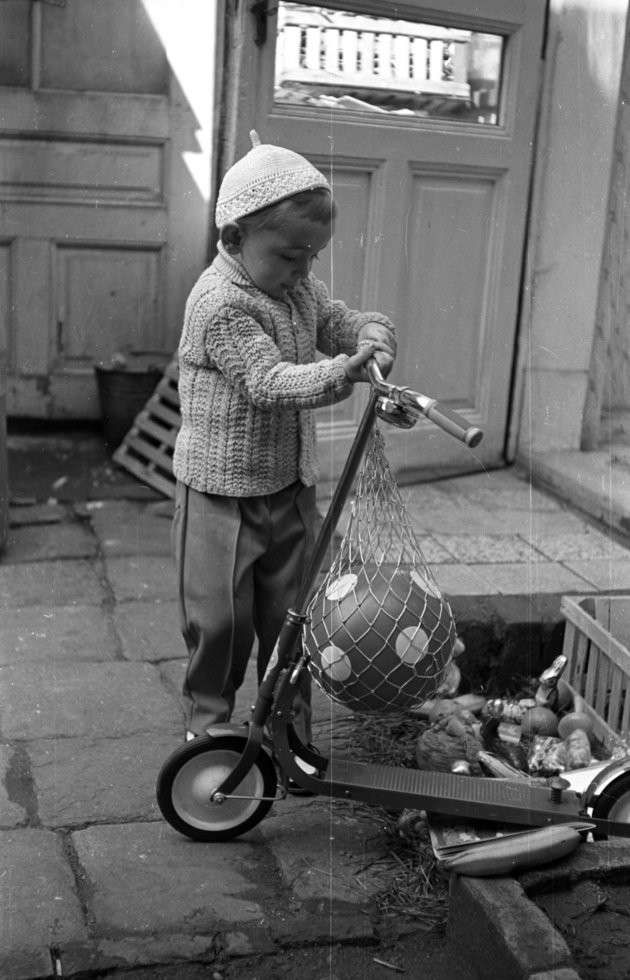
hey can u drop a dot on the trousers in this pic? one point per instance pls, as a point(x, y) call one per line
point(239, 563)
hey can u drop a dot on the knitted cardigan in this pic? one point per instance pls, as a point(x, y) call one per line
point(248, 380)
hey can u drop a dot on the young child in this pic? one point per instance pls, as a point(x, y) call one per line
point(245, 456)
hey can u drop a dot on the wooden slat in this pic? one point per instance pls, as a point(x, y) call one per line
point(161, 435)
point(598, 665)
point(595, 632)
point(156, 408)
point(616, 694)
point(147, 450)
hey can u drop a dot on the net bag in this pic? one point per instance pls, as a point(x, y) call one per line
point(380, 634)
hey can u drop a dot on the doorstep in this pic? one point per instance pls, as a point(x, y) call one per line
point(596, 483)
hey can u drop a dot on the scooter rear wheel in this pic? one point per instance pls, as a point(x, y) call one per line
point(608, 796)
point(189, 777)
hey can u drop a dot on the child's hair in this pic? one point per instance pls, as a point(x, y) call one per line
point(315, 205)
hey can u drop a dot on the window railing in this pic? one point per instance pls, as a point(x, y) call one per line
point(339, 51)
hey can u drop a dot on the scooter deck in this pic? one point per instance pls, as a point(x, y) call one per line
point(504, 801)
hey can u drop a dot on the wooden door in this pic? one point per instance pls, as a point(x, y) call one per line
point(425, 125)
point(104, 225)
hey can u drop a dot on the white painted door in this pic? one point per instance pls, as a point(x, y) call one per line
point(104, 187)
point(424, 119)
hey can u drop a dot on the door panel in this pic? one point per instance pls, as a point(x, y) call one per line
point(425, 127)
point(104, 224)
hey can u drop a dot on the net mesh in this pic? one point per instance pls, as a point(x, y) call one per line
point(380, 633)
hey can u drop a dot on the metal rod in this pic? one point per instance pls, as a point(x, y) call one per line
point(337, 503)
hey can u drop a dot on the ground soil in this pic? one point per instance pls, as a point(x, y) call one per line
point(594, 919)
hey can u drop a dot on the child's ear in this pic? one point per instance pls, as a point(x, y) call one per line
point(231, 237)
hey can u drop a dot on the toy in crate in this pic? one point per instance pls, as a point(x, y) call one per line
point(572, 724)
point(597, 648)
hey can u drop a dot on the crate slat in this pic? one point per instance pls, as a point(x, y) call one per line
point(598, 662)
point(147, 450)
point(617, 652)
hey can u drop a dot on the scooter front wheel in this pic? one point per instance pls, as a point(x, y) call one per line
point(190, 776)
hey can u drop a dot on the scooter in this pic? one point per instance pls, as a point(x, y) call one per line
point(222, 784)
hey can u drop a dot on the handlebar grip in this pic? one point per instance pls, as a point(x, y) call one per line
point(452, 423)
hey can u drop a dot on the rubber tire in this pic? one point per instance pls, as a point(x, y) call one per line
point(188, 777)
point(613, 803)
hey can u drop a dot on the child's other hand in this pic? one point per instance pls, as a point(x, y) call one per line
point(356, 365)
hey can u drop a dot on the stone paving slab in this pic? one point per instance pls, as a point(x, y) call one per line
point(38, 514)
point(49, 541)
point(507, 498)
point(38, 633)
point(453, 516)
point(13, 809)
point(107, 780)
point(140, 577)
point(51, 583)
point(603, 575)
point(45, 700)
point(341, 847)
point(591, 481)
point(511, 578)
point(130, 953)
point(586, 546)
point(462, 580)
point(123, 528)
point(434, 551)
point(476, 549)
point(40, 907)
point(535, 526)
point(146, 879)
point(148, 630)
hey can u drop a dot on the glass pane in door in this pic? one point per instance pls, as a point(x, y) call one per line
point(339, 60)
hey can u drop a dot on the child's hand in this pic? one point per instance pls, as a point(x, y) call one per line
point(385, 350)
point(356, 365)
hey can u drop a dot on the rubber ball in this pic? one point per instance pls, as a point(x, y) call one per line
point(379, 642)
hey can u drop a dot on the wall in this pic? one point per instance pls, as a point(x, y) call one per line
point(607, 412)
point(568, 224)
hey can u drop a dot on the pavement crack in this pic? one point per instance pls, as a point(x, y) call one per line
point(83, 882)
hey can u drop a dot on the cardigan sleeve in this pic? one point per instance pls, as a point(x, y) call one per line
point(247, 356)
point(337, 325)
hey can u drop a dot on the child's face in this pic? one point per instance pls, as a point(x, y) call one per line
point(278, 258)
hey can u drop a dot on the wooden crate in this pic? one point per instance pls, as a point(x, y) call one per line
point(597, 647)
point(147, 449)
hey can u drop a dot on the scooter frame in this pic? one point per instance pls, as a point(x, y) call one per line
point(220, 785)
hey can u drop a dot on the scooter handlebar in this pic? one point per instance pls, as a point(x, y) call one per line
point(448, 420)
point(452, 423)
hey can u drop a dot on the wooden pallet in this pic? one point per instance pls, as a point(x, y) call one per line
point(147, 449)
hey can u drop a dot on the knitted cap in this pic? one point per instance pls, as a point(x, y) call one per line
point(265, 175)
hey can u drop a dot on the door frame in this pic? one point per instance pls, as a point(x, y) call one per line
point(239, 62)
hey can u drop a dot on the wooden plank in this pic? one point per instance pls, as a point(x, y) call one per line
point(598, 665)
point(157, 409)
point(602, 675)
point(619, 619)
point(164, 437)
point(618, 653)
point(624, 724)
point(147, 450)
point(150, 477)
point(156, 455)
point(602, 731)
